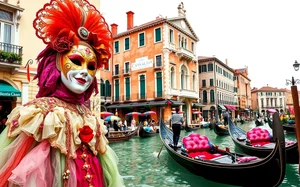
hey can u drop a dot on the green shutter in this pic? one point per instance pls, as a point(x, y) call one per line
point(117, 90)
point(142, 87)
point(116, 46)
point(127, 46)
point(159, 84)
point(157, 34)
point(142, 39)
point(127, 84)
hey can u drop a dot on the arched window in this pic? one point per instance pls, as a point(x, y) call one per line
point(183, 77)
point(204, 96)
point(107, 89)
point(212, 96)
point(194, 82)
point(102, 87)
point(172, 77)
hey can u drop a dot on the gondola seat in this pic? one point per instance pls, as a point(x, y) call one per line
point(195, 145)
point(259, 137)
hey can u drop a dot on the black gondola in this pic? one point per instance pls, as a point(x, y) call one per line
point(239, 137)
point(219, 128)
point(290, 128)
point(225, 169)
point(120, 136)
point(143, 133)
point(259, 122)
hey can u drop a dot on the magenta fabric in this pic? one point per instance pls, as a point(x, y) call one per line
point(95, 169)
point(49, 80)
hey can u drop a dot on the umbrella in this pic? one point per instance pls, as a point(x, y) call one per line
point(133, 114)
point(105, 114)
point(197, 112)
point(148, 113)
point(112, 118)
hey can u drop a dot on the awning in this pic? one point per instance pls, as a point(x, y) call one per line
point(7, 90)
point(230, 107)
point(175, 102)
point(136, 104)
point(221, 107)
point(198, 104)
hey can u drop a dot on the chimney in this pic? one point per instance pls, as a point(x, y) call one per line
point(114, 29)
point(226, 61)
point(129, 20)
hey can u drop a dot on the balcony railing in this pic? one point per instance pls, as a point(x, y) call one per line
point(10, 53)
point(116, 73)
point(186, 54)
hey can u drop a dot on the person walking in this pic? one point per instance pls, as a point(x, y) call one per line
point(176, 121)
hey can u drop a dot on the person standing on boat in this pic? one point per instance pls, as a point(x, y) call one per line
point(226, 117)
point(176, 121)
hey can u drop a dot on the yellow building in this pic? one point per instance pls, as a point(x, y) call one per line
point(154, 67)
point(18, 39)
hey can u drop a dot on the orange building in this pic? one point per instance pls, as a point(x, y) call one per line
point(154, 67)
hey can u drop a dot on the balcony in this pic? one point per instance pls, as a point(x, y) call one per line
point(116, 74)
point(185, 54)
point(126, 71)
point(10, 56)
point(188, 93)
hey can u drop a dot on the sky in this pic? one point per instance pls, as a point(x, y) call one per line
point(263, 35)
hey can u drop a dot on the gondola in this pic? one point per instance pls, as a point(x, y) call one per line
point(143, 133)
point(188, 129)
point(119, 136)
point(259, 122)
point(240, 139)
point(219, 128)
point(289, 128)
point(225, 169)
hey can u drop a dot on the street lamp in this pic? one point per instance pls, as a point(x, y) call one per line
point(293, 83)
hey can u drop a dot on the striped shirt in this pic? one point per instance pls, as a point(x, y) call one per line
point(177, 119)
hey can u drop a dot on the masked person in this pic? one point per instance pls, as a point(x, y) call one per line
point(55, 140)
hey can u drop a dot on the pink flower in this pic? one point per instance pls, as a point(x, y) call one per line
point(62, 44)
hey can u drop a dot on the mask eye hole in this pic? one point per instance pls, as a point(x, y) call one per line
point(91, 66)
point(76, 59)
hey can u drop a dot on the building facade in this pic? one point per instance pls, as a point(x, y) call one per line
point(154, 67)
point(268, 98)
point(243, 90)
point(19, 46)
point(216, 87)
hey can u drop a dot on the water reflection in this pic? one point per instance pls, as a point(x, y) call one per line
point(139, 165)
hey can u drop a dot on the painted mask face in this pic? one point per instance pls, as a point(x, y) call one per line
point(78, 68)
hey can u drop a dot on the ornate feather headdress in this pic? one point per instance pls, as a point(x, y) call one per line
point(63, 23)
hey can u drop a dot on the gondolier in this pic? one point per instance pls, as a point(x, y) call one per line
point(176, 121)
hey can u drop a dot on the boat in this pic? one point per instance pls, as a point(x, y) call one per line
point(189, 128)
point(228, 168)
point(259, 122)
point(289, 127)
point(119, 136)
point(219, 128)
point(143, 133)
point(240, 139)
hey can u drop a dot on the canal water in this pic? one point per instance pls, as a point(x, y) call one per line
point(139, 165)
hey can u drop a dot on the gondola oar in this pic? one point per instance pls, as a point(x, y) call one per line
point(160, 149)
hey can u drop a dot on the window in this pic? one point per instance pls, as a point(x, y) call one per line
point(117, 90)
point(116, 69)
point(141, 39)
point(142, 87)
point(172, 77)
point(6, 29)
point(158, 62)
point(204, 96)
point(193, 46)
point(211, 82)
point(203, 83)
point(184, 76)
point(126, 69)
point(127, 89)
point(210, 67)
point(262, 102)
point(159, 90)
point(127, 44)
point(116, 47)
point(212, 96)
point(171, 36)
point(203, 68)
point(107, 89)
point(157, 34)
point(102, 88)
point(194, 82)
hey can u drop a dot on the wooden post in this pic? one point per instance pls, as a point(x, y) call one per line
point(297, 117)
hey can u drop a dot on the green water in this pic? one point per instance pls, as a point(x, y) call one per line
point(139, 165)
